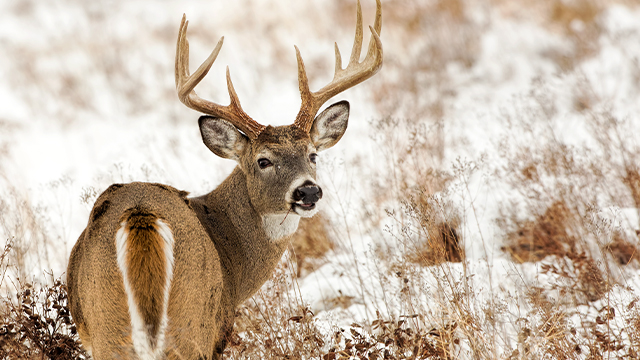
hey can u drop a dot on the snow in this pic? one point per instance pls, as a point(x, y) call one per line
point(87, 98)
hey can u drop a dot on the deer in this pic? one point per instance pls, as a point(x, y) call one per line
point(157, 274)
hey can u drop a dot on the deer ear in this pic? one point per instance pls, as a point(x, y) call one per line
point(222, 138)
point(330, 125)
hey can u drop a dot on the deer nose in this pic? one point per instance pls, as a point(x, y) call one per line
point(309, 194)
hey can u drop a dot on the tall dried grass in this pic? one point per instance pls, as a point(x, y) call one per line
point(432, 307)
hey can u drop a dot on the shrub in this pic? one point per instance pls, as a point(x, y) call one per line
point(37, 324)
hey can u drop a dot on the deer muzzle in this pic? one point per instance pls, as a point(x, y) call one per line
point(308, 194)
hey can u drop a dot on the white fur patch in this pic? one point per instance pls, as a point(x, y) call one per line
point(167, 236)
point(278, 226)
point(139, 334)
point(306, 213)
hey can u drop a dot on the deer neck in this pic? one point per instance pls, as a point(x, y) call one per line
point(249, 245)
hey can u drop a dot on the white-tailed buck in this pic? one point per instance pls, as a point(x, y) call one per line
point(157, 274)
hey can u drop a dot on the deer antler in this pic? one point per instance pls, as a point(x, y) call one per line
point(343, 79)
point(185, 84)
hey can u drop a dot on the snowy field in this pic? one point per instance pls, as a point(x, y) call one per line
point(487, 111)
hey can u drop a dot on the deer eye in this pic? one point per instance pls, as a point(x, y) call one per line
point(313, 158)
point(264, 163)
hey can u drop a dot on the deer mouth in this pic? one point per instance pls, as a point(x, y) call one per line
point(304, 209)
point(303, 206)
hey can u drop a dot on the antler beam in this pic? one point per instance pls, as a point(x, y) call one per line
point(185, 84)
point(355, 72)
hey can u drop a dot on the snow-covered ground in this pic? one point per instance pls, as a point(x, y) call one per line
point(87, 98)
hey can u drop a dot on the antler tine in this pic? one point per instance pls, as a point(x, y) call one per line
point(355, 72)
point(185, 84)
point(377, 26)
point(357, 43)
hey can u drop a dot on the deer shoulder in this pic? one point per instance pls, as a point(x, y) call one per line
point(156, 274)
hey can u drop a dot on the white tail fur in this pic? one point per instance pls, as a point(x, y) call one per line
point(147, 344)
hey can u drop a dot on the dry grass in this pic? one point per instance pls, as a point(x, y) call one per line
point(433, 308)
point(437, 240)
point(311, 243)
point(548, 235)
point(442, 245)
point(36, 324)
point(431, 221)
point(623, 250)
point(25, 225)
point(632, 180)
point(275, 324)
point(576, 20)
point(429, 39)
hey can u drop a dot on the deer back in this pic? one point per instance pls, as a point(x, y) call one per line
point(156, 274)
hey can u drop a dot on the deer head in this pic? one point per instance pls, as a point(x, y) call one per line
point(279, 162)
point(158, 275)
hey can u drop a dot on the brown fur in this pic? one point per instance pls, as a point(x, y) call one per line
point(97, 299)
point(146, 265)
point(222, 252)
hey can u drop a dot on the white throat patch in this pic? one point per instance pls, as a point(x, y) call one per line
point(279, 226)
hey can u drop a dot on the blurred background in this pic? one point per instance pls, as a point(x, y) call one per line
point(495, 153)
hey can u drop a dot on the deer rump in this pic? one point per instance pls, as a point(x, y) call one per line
point(131, 288)
point(157, 275)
